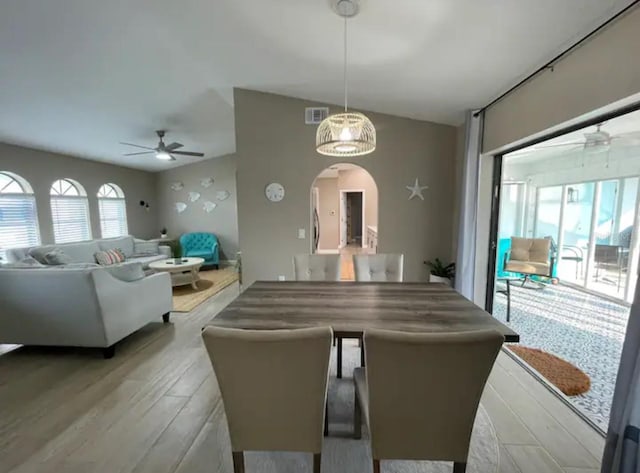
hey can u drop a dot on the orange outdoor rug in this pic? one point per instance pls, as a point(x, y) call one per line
point(569, 379)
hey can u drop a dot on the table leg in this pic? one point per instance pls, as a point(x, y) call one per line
point(508, 301)
point(194, 279)
point(339, 367)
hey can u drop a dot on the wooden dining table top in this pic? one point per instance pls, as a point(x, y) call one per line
point(350, 308)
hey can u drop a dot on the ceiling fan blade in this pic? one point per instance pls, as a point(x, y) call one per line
point(137, 146)
point(573, 143)
point(135, 154)
point(187, 153)
point(173, 146)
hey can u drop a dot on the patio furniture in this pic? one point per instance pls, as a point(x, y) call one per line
point(420, 393)
point(530, 257)
point(201, 245)
point(507, 291)
point(274, 388)
point(609, 257)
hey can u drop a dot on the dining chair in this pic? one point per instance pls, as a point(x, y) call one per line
point(316, 267)
point(380, 268)
point(274, 388)
point(419, 393)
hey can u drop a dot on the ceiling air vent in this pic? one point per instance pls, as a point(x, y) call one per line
point(315, 115)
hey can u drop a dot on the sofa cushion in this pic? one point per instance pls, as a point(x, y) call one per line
point(56, 257)
point(81, 252)
point(146, 248)
point(125, 243)
point(109, 257)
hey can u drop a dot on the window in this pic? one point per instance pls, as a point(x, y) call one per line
point(113, 211)
point(18, 216)
point(69, 211)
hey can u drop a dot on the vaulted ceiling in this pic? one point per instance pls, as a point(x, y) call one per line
point(79, 76)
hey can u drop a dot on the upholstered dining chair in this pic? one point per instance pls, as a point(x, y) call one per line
point(420, 393)
point(316, 267)
point(380, 268)
point(274, 388)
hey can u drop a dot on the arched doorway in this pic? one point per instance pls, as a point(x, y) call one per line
point(344, 213)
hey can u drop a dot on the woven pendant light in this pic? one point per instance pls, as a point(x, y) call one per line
point(350, 133)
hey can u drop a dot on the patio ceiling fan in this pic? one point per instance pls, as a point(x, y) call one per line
point(162, 151)
point(600, 139)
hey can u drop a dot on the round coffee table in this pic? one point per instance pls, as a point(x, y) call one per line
point(183, 271)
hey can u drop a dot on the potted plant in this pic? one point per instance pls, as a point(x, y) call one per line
point(163, 233)
point(440, 272)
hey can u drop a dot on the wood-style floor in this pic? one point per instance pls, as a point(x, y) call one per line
point(150, 409)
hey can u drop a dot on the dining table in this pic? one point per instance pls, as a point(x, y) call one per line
point(352, 308)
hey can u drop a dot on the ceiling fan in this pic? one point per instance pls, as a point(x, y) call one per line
point(162, 151)
point(600, 139)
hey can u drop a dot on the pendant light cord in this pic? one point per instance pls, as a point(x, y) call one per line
point(345, 63)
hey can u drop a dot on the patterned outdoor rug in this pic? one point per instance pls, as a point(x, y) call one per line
point(185, 298)
point(583, 329)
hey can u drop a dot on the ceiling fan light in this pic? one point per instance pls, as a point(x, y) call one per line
point(163, 156)
point(346, 134)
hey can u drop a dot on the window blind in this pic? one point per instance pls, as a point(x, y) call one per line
point(18, 222)
point(113, 217)
point(70, 219)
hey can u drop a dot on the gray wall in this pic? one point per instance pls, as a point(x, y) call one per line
point(41, 169)
point(602, 71)
point(223, 220)
point(274, 144)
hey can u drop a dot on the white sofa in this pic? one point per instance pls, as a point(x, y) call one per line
point(80, 304)
point(84, 251)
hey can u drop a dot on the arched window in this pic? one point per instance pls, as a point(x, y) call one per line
point(69, 211)
point(18, 216)
point(113, 211)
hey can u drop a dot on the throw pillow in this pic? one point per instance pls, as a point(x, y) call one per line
point(146, 248)
point(108, 257)
point(127, 272)
point(57, 257)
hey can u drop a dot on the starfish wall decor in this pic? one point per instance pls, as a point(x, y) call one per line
point(416, 190)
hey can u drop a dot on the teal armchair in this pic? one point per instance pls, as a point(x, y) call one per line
point(201, 245)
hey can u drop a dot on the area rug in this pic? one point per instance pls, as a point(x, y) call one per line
point(566, 377)
point(185, 298)
point(341, 453)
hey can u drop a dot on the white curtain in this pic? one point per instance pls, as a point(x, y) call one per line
point(466, 257)
point(622, 450)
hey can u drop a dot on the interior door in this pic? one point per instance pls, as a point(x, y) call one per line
point(343, 219)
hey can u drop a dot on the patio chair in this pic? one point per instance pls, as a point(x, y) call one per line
point(530, 257)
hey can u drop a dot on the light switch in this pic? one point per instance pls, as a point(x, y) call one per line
point(302, 234)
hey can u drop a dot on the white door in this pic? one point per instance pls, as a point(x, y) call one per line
point(343, 219)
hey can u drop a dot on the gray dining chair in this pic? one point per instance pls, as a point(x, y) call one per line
point(274, 388)
point(316, 267)
point(420, 393)
point(379, 268)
